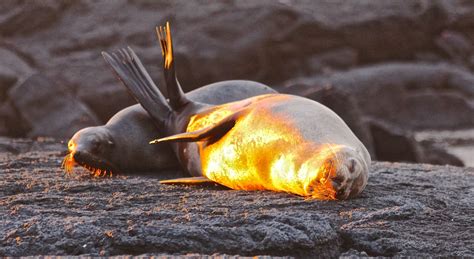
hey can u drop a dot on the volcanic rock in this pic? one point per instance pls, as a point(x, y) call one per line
point(24, 17)
point(406, 210)
point(11, 122)
point(266, 41)
point(12, 68)
point(409, 95)
point(48, 110)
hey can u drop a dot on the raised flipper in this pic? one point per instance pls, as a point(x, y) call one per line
point(177, 99)
point(209, 134)
point(188, 180)
point(130, 70)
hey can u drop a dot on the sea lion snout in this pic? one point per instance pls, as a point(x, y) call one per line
point(351, 175)
point(90, 148)
point(94, 140)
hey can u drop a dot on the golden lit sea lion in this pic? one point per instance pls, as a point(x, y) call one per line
point(270, 142)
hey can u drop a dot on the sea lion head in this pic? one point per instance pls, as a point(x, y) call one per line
point(342, 174)
point(91, 148)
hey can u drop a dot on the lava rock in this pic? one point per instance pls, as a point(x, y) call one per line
point(409, 95)
point(405, 210)
point(12, 68)
point(11, 122)
point(48, 110)
point(392, 143)
point(456, 46)
point(24, 17)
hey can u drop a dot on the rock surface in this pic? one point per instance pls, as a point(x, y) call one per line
point(48, 110)
point(406, 209)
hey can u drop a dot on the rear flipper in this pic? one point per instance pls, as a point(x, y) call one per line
point(130, 70)
point(175, 93)
point(189, 180)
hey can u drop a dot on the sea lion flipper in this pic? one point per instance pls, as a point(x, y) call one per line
point(131, 72)
point(209, 134)
point(188, 180)
point(177, 98)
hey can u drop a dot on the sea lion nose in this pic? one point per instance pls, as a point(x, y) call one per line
point(338, 182)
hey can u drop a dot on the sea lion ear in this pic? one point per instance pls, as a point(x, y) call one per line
point(209, 134)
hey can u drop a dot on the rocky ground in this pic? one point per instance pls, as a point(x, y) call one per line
point(406, 209)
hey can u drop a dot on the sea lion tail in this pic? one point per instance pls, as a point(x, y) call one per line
point(177, 99)
point(131, 72)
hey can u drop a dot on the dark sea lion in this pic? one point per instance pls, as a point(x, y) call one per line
point(270, 142)
point(121, 145)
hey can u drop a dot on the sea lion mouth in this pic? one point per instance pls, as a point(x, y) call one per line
point(95, 165)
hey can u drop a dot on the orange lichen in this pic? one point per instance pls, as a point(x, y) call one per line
point(264, 151)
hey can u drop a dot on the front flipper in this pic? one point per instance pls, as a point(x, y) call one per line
point(209, 134)
point(188, 180)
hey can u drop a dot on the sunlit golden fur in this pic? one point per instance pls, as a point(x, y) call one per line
point(266, 151)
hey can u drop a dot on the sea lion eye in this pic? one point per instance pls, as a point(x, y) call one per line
point(95, 144)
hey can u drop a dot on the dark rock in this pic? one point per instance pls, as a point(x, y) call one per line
point(275, 42)
point(102, 37)
point(7, 80)
point(392, 143)
point(342, 58)
point(455, 46)
point(410, 96)
point(48, 110)
point(405, 211)
point(431, 153)
point(108, 101)
point(24, 17)
point(11, 122)
point(12, 68)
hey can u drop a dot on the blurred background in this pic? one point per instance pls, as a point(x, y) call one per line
point(400, 73)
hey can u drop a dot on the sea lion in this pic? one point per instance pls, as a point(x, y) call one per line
point(121, 145)
point(269, 142)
